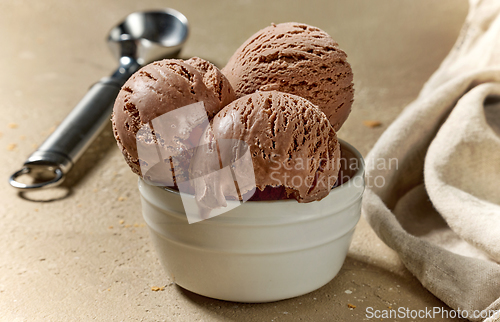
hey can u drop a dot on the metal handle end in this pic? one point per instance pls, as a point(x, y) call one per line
point(56, 180)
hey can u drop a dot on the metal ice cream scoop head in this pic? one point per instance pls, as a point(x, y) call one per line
point(140, 38)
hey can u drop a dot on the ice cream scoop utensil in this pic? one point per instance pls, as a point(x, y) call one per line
point(139, 39)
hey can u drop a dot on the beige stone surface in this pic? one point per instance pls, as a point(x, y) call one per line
point(82, 252)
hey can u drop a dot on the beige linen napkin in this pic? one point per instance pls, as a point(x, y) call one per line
point(438, 205)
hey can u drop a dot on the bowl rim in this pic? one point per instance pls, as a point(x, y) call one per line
point(359, 172)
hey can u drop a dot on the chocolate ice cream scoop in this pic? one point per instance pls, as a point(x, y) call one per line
point(298, 59)
point(292, 144)
point(161, 87)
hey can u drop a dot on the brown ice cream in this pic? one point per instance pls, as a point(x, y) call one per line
point(214, 80)
point(298, 59)
point(292, 144)
point(161, 87)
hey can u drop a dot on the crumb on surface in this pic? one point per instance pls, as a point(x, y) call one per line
point(121, 198)
point(122, 222)
point(157, 288)
point(372, 123)
point(351, 306)
point(12, 125)
point(11, 147)
point(110, 227)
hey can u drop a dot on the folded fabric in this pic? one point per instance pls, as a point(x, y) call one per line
point(433, 178)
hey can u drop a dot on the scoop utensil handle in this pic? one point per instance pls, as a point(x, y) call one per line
point(57, 154)
point(139, 39)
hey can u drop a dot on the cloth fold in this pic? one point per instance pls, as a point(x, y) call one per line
point(439, 206)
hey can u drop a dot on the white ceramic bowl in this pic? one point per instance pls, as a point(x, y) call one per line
point(261, 251)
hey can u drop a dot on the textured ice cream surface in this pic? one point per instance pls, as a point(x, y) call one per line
point(214, 80)
point(159, 88)
point(298, 59)
point(292, 144)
